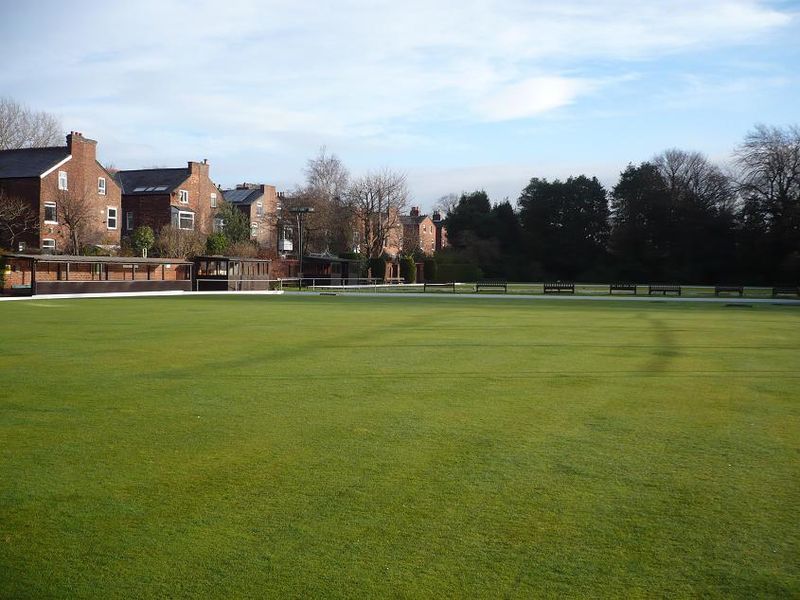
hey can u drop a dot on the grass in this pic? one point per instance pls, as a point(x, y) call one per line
point(345, 446)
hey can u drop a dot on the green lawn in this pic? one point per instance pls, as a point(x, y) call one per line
point(405, 447)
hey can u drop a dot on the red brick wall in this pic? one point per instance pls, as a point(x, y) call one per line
point(151, 210)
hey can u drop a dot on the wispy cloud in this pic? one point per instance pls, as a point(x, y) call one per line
point(273, 76)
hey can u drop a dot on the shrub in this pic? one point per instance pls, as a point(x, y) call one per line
point(377, 267)
point(429, 269)
point(408, 269)
point(216, 243)
point(458, 272)
point(142, 239)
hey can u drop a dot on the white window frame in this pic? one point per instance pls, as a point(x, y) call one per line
point(109, 217)
point(129, 220)
point(63, 180)
point(253, 229)
point(47, 246)
point(55, 213)
point(182, 213)
point(101, 186)
point(213, 200)
point(219, 224)
point(183, 197)
point(259, 208)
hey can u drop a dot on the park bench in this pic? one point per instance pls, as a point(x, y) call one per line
point(622, 287)
point(663, 289)
point(785, 290)
point(492, 284)
point(18, 289)
point(559, 287)
point(394, 280)
point(729, 289)
point(451, 285)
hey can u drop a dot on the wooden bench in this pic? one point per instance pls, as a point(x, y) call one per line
point(18, 289)
point(622, 287)
point(729, 289)
point(451, 285)
point(492, 284)
point(394, 280)
point(663, 289)
point(559, 287)
point(784, 290)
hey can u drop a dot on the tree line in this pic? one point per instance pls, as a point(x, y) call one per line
point(675, 218)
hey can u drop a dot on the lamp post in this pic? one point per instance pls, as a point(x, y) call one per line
point(301, 212)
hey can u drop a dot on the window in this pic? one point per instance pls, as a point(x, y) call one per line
point(260, 208)
point(62, 180)
point(184, 197)
point(48, 246)
point(213, 201)
point(253, 229)
point(101, 186)
point(111, 217)
point(50, 212)
point(219, 224)
point(129, 220)
point(185, 220)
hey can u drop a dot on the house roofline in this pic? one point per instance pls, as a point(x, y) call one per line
point(55, 166)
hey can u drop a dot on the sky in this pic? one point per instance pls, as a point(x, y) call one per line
point(458, 95)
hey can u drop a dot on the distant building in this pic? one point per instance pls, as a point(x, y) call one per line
point(259, 202)
point(441, 231)
point(183, 197)
point(63, 178)
point(419, 231)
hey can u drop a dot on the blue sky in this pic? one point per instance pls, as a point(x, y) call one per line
point(459, 95)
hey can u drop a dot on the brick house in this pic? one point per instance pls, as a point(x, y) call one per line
point(183, 197)
point(63, 185)
point(418, 232)
point(259, 202)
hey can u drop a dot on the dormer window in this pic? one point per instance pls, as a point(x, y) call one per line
point(101, 186)
point(62, 180)
point(183, 196)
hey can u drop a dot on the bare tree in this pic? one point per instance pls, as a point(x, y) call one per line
point(75, 214)
point(329, 227)
point(692, 178)
point(173, 242)
point(21, 127)
point(445, 204)
point(17, 219)
point(378, 200)
point(769, 164)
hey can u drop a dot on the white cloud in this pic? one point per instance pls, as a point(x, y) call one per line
point(185, 78)
point(532, 97)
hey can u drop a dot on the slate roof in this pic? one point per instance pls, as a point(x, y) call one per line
point(30, 162)
point(409, 220)
point(242, 196)
point(151, 181)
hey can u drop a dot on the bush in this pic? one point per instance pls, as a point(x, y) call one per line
point(458, 272)
point(142, 239)
point(377, 267)
point(429, 269)
point(178, 243)
point(408, 269)
point(361, 265)
point(216, 243)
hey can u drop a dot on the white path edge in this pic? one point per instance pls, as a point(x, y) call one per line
point(415, 296)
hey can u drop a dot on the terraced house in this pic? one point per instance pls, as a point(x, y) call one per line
point(59, 198)
point(259, 202)
point(183, 197)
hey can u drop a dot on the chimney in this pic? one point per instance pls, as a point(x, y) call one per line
point(81, 147)
point(414, 211)
point(437, 216)
point(198, 168)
